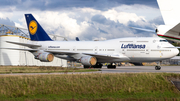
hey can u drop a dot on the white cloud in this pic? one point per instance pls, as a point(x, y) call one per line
point(6, 15)
point(77, 21)
point(55, 21)
point(121, 17)
point(90, 10)
point(99, 39)
point(18, 25)
point(140, 10)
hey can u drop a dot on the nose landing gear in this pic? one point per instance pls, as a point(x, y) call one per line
point(158, 67)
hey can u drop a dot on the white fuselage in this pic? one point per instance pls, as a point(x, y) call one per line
point(142, 49)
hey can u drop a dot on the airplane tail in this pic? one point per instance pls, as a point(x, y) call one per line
point(170, 11)
point(36, 32)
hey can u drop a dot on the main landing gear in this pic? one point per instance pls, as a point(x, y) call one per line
point(98, 65)
point(111, 66)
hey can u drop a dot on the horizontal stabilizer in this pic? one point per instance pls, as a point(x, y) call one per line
point(24, 44)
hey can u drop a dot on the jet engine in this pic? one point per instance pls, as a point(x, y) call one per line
point(88, 60)
point(45, 57)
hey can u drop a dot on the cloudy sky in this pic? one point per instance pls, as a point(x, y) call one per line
point(86, 19)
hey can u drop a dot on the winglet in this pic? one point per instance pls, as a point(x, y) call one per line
point(36, 32)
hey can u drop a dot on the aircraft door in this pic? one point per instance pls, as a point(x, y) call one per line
point(123, 51)
point(147, 50)
point(74, 48)
point(96, 50)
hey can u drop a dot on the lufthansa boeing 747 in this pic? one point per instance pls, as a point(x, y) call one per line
point(94, 53)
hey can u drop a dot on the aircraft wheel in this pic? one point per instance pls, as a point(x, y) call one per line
point(114, 66)
point(111, 66)
point(108, 66)
point(98, 65)
point(86, 66)
point(157, 67)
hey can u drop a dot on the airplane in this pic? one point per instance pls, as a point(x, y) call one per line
point(171, 30)
point(94, 53)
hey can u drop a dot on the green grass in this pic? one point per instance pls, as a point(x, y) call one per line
point(34, 69)
point(143, 86)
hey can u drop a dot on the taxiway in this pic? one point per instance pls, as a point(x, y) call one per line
point(119, 69)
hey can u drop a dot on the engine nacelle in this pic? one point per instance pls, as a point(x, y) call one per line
point(88, 60)
point(45, 57)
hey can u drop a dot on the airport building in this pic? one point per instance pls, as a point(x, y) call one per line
point(21, 58)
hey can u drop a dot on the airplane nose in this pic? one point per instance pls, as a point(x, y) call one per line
point(176, 52)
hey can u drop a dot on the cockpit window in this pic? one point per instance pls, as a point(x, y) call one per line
point(163, 40)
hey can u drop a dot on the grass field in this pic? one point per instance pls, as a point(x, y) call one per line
point(41, 69)
point(99, 87)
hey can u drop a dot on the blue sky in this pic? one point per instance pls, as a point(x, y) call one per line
point(86, 19)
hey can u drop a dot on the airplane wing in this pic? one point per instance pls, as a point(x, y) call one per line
point(66, 57)
point(31, 50)
point(62, 52)
point(100, 57)
point(51, 51)
point(109, 57)
point(91, 54)
point(24, 44)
